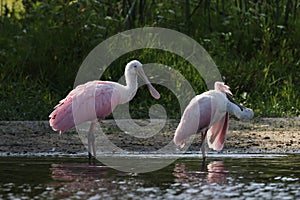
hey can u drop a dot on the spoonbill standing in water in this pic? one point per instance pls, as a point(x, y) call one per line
point(100, 97)
point(207, 114)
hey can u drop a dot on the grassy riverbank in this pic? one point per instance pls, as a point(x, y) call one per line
point(255, 46)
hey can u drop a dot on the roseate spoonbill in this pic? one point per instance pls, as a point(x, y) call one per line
point(100, 97)
point(207, 114)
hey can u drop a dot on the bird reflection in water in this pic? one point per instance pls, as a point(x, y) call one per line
point(85, 179)
point(71, 172)
point(214, 172)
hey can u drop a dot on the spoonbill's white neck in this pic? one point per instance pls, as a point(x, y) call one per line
point(130, 87)
point(131, 81)
point(243, 114)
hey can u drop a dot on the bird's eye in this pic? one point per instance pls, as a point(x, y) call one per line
point(135, 66)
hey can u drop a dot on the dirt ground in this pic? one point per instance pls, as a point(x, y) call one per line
point(261, 135)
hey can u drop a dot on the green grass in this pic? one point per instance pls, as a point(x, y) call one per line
point(255, 46)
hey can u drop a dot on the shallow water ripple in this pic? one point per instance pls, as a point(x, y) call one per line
point(236, 177)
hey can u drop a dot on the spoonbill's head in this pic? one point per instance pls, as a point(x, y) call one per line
point(220, 86)
point(135, 68)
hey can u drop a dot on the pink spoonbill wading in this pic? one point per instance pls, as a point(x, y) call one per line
point(100, 96)
point(208, 114)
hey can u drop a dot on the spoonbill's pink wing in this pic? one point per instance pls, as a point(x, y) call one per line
point(196, 118)
point(91, 101)
point(217, 132)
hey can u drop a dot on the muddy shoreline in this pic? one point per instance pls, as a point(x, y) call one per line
point(261, 135)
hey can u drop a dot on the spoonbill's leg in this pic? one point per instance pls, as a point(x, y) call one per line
point(203, 139)
point(91, 142)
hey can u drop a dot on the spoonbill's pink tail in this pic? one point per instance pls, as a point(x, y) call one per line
point(61, 119)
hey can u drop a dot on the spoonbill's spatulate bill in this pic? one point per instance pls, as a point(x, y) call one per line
point(208, 114)
point(100, 96)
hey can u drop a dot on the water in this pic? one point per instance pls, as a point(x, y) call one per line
point(221, 177)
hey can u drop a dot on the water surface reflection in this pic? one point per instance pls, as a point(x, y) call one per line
point(186, 178)
point(214, 172)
